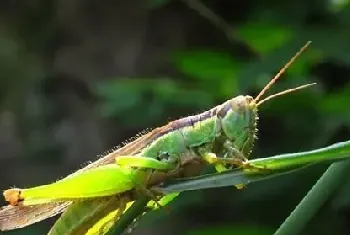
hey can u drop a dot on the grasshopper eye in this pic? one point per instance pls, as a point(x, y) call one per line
point(249, 99)
point(163, 156)
point(240, 103)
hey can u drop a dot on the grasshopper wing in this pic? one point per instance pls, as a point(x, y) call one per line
point(13, 217)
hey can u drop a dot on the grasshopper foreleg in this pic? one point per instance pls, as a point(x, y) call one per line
point(233, 153)
point(219, 163)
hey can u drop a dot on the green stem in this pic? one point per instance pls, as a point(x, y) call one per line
point(136, 210)
point(315, 198)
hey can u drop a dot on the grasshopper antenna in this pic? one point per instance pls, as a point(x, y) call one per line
point(284, 92)
point(278, 75)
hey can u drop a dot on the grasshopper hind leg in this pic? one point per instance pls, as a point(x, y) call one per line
point(154, 194)
point(163, 162)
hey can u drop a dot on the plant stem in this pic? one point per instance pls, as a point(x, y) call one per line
point(136, 210)
point(315, 198)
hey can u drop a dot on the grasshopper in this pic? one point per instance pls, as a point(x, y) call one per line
point(222, 136)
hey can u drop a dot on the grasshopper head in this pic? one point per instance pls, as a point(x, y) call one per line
point(239, 115)
point(238, 118)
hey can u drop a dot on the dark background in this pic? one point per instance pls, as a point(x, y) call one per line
point(79, 77)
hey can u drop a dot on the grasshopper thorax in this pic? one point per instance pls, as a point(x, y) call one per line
point(238, 122)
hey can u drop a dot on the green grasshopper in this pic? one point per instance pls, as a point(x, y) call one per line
point(222, 136)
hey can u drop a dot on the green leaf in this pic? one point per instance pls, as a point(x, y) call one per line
point(268, 168)
point(264, 37)
point(206, 65)
point(330, 153)
point(336, 105)
point(337, 5)
point(155, 4)
point(241, 230)
point(314, 199)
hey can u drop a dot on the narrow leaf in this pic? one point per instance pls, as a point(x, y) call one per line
point(265, 168)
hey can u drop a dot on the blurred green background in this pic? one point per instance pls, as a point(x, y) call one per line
point(79, 77)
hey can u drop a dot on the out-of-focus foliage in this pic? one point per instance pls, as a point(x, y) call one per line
point(251, 230)
point(79, 77)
